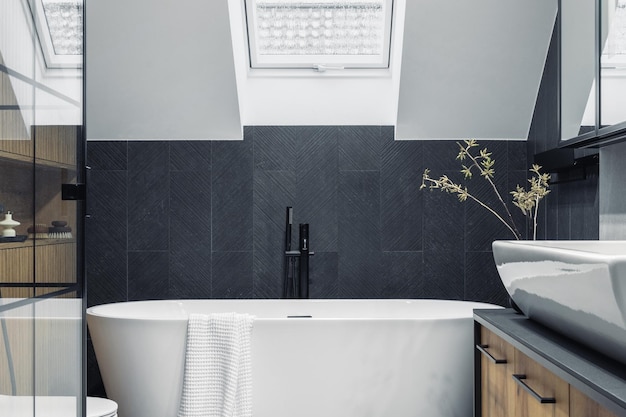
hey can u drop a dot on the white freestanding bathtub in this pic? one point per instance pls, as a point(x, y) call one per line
point(310, 358)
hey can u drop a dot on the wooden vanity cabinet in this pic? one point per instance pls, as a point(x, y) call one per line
point(513, 385)
point(511, 382)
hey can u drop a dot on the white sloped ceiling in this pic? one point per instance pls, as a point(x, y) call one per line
point(160, 70)
point(472, 68)
point(172, 70)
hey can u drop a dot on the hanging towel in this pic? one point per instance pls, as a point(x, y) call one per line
point(218, 379)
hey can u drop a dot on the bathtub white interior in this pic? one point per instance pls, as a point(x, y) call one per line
point(400, 365)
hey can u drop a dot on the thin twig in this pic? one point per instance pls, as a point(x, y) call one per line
point(495, 189)
point(457, 188)
point(537, 198)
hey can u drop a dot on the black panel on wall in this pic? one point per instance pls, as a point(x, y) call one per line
point(194, 219)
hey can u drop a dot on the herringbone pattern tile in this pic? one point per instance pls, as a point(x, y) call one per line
point(148, 196)
point(444, 221)
point(317, 185)
point(274, 148)
point(190, 273)
point(359, 211)
point(106, 237)
point(401, 202)
point(444, 274)
point(359, 148)
point(190, 210)
point(147, 275)
point(324, 275)
point(403, 272)
point(107, 155)
point(273, 192)
point(360, 274)
point(206, 219)
point(192, 155)
point(106, 268)
point(232, 196)
point(232, 275)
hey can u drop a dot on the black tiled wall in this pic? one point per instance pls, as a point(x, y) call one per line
point(206, 219)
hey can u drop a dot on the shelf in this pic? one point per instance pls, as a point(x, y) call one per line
point(55, 147)
point(37, 242)
point(25, 159)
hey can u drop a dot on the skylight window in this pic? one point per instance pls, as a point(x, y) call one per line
point(319, 34)
point(60, 28)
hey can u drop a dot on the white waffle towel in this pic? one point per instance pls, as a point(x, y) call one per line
point(218, 379)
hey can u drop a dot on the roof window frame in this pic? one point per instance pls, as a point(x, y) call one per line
point(318, 62)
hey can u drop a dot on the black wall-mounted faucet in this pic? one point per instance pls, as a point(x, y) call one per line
point(296, 285)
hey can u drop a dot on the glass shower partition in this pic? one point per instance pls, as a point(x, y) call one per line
point(42, 328)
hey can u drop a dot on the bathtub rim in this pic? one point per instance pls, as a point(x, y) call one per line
point(177, 312)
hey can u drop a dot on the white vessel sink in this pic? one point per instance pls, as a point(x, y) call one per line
point(577, 288)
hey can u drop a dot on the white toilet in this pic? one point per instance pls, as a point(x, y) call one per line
point(101, 407)
point(22, 406)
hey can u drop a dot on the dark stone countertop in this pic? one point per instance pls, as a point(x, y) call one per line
point(594, 374)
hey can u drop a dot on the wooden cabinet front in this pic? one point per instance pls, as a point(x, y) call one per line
point(538, 392)
point(497, 358)
point(583, 406)
point(514, 385)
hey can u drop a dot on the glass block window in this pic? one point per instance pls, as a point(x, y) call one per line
point(59, 26)
point(321, 33)
point(65, 24)
point(614, 51)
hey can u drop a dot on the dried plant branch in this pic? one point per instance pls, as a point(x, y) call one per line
point(526, 200)
point(485, 165)
point(445, 184)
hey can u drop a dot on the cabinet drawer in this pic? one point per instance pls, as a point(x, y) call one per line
point(513, 385)
point(538, 392)
point(497, 356)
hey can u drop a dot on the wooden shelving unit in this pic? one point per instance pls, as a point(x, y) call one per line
point(33, 171)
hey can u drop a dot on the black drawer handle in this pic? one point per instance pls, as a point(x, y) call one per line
point(483, 350)
point(519, 378)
